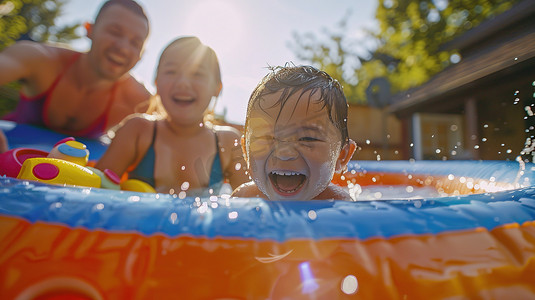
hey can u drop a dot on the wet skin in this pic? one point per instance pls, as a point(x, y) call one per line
point(296, 155)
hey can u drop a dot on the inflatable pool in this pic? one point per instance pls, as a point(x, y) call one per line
point(474, 238)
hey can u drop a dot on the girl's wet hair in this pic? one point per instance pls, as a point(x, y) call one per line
point(293, 79)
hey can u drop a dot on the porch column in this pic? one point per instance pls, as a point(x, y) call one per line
point(471, 132)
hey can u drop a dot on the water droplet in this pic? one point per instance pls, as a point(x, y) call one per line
point(312, 215)
point(486, 126)
point(509, 151)
point(412, 145)
point(455, 58)
point(476, 147)
point(451, 177)
point(173, 218)
point(453, 152)
point(368, 142)
point(236, 142)
point(417, 203)
point(184, 186)
point(233, 215)
point(99, 206)
point(350, 285)
point(133, 198)
point(484, 139)
point(201, 124)
point(183, 168)
point(237, 166)
point(409, 189)
point(203, 208)
point(182, 195)
point(378, 195)
point(437, 151)
point(213, 198)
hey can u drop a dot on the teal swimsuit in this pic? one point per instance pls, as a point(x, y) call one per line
point(144, 171)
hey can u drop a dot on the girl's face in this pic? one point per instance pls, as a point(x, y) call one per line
point(293, 152)
point(186, 83)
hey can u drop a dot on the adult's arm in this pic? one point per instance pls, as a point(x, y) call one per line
point(23, 61)
point(3, 142)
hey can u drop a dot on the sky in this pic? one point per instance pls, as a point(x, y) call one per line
point(247, 35)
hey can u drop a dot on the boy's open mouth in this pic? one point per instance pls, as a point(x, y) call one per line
point(287, 182)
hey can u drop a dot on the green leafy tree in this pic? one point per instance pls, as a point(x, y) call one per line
point(407, 42)
point(34, 19)
point(334, 55)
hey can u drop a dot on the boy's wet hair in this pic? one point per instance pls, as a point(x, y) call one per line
point(303, 79)
point(130, 4)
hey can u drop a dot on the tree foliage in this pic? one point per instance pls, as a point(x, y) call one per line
point(406, 43)
point(35, 20)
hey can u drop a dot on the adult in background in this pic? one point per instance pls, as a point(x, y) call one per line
point(81, 93)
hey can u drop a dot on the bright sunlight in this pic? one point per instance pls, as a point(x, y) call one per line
point(218, 24)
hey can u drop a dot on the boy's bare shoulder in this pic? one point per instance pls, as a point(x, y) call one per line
point(334, 192)
point(248, 190)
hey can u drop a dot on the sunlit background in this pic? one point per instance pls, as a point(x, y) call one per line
point(246, 35)
point(425, 79)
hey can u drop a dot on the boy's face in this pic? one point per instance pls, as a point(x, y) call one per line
point(117, 39)
point(295, 156)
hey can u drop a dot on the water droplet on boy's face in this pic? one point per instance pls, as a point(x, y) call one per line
point(292, 152)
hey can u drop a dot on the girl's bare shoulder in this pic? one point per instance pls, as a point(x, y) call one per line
point(227, 134)
point(136, 123)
